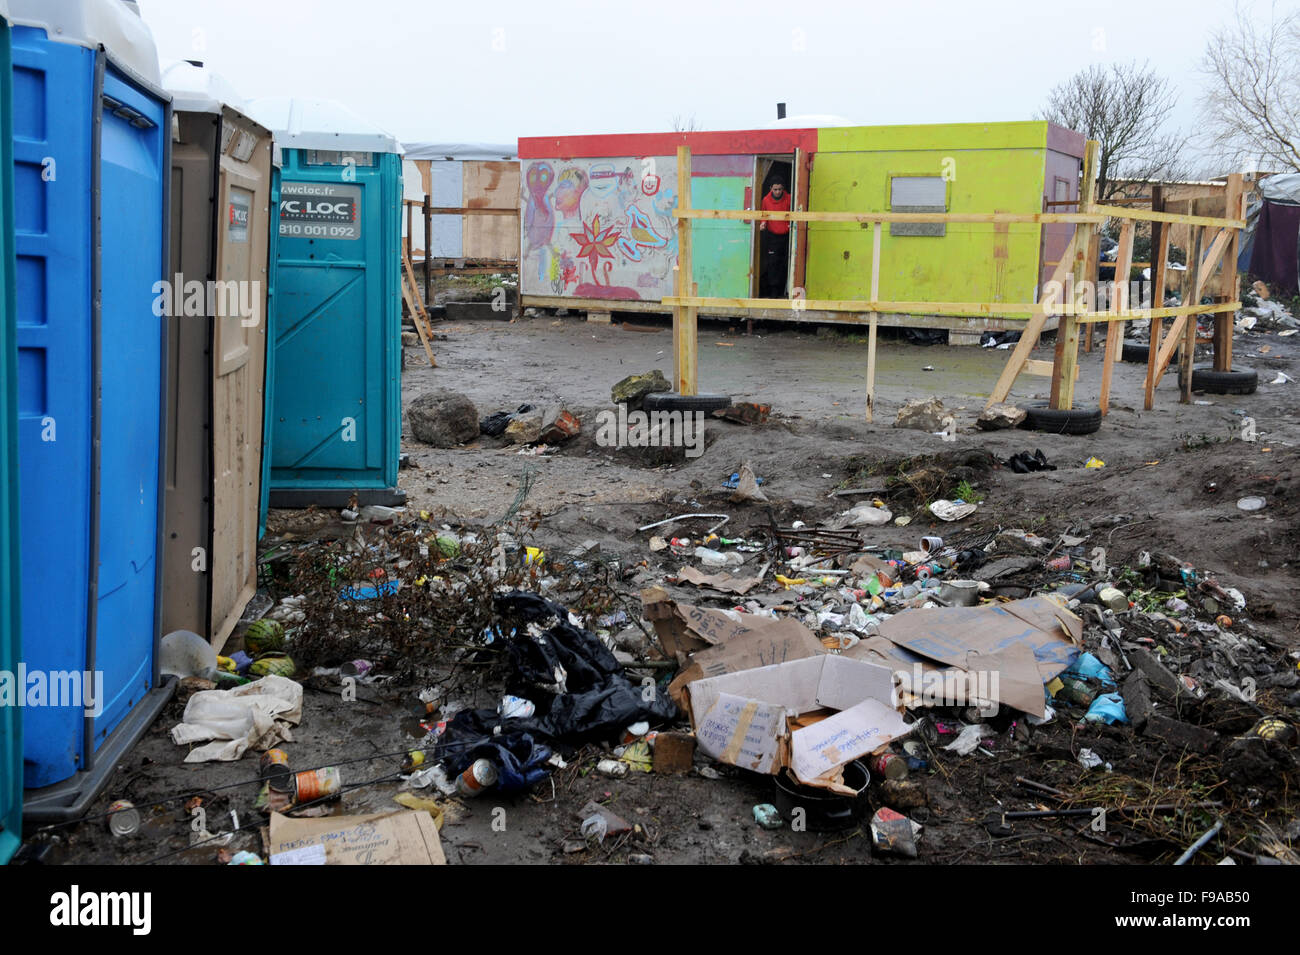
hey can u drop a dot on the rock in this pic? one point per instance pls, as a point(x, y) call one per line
point(1137, 699)
point(1180, 734)
point(921, 414)
point(744, 412)
point(525, 428)
point(997, 417)
point(1160, 677)
point(410, 339)
point(634, 388)
point(558, 425)
point(442, 418)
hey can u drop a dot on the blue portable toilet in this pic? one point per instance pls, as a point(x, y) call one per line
point(11, 738)
point(91, 137)
point(336, 318)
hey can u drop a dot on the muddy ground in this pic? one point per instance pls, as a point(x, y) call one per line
point(1172, 478)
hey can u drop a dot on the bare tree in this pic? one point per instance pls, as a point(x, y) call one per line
point(685, 125)
point(1252, 104)
point(1124, 107)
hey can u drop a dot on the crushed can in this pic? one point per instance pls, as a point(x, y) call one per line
point(123, 818)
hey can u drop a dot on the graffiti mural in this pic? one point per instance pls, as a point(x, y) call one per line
point(599, 228)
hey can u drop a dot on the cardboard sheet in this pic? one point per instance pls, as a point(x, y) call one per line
point(1024, 642)
point(392, 838)
point(723, 582)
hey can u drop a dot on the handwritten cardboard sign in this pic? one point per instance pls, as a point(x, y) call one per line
point(402, 837)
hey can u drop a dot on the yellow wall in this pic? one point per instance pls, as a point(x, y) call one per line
point(990, 167)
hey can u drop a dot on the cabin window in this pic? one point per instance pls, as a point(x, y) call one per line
point(918, 194)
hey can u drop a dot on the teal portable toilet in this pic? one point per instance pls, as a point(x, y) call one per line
point(91, 167)
point(11, 737)
point(336, 313)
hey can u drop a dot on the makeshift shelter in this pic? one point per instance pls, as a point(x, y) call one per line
point(91, 146)
point(220, 215)
point(477, 184)
point(598, 228)
point(1273, 242)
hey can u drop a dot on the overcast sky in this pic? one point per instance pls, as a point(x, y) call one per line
point(494, 70)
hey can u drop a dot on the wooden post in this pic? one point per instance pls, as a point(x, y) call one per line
point(428, 249)
point(410, 236)
point(1191, 296)
point(803, 171)
point(684, 316)
point(1223, 321)
point(1159, 265)
point(1119, 306)
point(1067, 333)
point(1034, 327)
point(876, 229)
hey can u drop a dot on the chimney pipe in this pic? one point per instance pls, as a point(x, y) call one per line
point(780, 110)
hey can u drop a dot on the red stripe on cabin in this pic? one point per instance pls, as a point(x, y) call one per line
point(722, 143)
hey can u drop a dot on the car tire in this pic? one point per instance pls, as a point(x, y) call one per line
point(1058, 421)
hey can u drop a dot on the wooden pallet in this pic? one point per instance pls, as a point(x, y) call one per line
point(419, 317)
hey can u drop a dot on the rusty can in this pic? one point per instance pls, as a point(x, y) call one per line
point(123, 818)
point(480, 775)
point(274, 767)
point(318, 783)
point(888, 766)
point(635, 732)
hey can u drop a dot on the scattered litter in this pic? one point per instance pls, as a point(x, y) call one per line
point(1251, 503)
point(947, 510)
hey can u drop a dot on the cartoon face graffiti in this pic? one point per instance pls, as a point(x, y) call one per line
point(649, 184)
point(568, 193)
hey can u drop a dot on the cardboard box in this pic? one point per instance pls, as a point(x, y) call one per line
point(402, 837)
point(708, 643)
point(743, 718)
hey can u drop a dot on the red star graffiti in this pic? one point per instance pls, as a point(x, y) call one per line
point(595, 244)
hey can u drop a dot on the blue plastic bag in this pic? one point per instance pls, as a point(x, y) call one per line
point(1107, 708)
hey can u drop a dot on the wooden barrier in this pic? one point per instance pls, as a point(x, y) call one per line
point(1075, 272)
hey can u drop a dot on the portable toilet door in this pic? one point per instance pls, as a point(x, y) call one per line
point(11, 739)
point(91, 170)
point(336, 417)
point(268, 391)
point(217, 330)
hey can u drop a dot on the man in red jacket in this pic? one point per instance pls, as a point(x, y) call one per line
point(774, 246)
